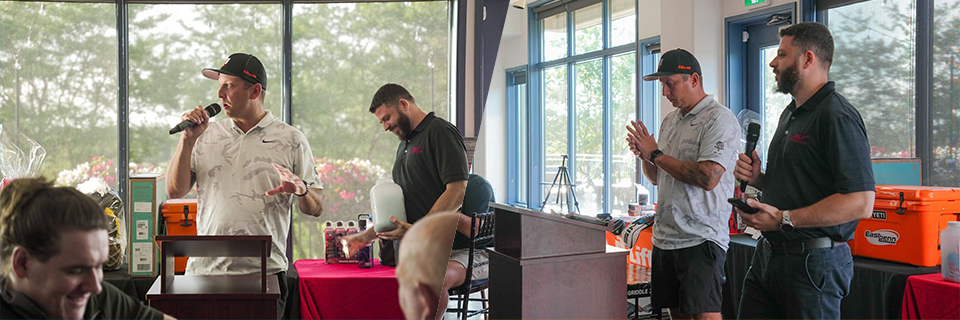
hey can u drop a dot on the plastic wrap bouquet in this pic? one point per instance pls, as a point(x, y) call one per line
point(113, 209)
point(20, 156)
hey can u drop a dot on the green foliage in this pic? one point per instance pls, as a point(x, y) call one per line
point(58, 79)
point(59, 75)
point(347, 185)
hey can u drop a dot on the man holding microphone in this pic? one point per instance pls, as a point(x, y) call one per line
point(249, 169)
point(818, 184)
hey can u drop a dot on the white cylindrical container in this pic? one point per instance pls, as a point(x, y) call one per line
point(950, 252)
point(386, 199)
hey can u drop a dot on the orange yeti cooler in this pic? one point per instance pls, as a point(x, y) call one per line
point(906, 223)
point(179, 224)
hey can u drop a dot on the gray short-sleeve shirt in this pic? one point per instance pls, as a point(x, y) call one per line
point(233, 171)
point(688, 215)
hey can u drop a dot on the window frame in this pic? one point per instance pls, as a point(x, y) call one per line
point(924, 72)
point(457, 14)
point(644, 101)
point(514, 78)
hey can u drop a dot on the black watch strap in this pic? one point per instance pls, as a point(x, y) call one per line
point(654, 154)
point(306, 190)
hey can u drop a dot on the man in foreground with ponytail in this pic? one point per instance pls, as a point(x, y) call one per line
point(53, 244)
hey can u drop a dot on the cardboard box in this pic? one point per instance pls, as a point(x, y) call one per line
point(906, 223)
point(147, 192)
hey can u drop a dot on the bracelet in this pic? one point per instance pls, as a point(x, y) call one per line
point(306, 187)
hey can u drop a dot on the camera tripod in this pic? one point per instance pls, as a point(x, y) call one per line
point(562, 182)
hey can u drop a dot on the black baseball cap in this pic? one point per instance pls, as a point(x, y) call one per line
point(243, 66)
point(676, 61)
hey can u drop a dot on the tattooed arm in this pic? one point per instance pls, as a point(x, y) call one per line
point(704, 174)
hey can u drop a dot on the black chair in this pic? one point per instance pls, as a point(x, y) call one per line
point(461, 293)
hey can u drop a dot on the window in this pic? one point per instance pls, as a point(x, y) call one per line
point(945, 101)
point(896, 61)
point(59, 83)
point(773, 102)
point(623, 103)
point(874, 64)
point(584, 94)
point(517, 148)
point(170, 45)
point(58, 65)
point(343, 53)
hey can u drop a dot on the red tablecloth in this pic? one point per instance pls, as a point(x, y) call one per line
point(344, 291)
point(928, 296)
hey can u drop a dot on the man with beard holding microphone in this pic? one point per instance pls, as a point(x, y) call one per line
point(249, 170)
point(818, 184)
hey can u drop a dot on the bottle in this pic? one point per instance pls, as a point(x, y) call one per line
point(329, 245)
point(338, 232)
point(365, 256)
point(386, 199)
point(351, 229)
point(950, 252)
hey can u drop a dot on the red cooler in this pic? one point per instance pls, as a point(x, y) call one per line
point(179, 224)
point(906, 223)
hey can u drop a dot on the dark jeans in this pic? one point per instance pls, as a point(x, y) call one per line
point(801, 284)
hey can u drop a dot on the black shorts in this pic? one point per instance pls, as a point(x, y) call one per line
point(688, 279)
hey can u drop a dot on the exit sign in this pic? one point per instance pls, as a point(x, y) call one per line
point(753, 4)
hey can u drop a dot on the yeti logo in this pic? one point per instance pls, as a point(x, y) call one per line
point(883, 237)
point(879, 215)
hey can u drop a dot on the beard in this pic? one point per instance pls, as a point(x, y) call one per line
point(403, 124)
point(789, 78)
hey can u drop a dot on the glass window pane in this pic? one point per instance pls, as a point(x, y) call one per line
point(524, 142)
point(945, 104)
point(554, 37)
point(623, 18)
point(554, 127)
point(58, 87)
point(874, 59)
point(589, 29)
point(343, 53)
point(623, 103)
point(165, 66)
point(589, 140)
point(773, 102)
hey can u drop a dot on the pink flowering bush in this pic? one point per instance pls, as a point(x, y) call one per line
point(346, 187)
point(103, 168)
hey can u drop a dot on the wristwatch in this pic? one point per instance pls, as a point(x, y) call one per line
point(785, 224)
point(654, 154)
point(306, 189)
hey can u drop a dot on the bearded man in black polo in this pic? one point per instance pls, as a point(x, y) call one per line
point(818, 184)
point(431, 168)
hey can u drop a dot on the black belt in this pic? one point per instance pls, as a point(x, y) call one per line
point(801, 246)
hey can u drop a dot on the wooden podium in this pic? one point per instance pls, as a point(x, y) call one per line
point(251, 296)
point(547, 266)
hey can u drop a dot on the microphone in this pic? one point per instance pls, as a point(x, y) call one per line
point(753, 134)
point(212, 110)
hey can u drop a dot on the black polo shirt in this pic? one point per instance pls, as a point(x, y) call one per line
point(110, 303)
point(431, 156)
point(819, 149)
